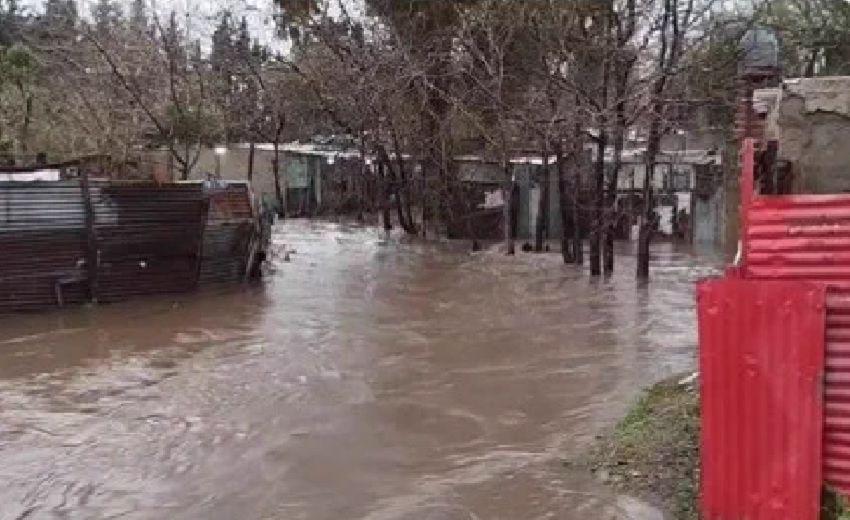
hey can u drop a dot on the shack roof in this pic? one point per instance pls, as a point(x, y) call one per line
point(629, 156)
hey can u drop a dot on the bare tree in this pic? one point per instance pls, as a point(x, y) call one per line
point(673, 28)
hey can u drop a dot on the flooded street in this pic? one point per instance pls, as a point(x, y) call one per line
point(365, 379)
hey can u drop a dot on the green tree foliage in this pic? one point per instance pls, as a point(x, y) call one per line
point(60, 16)
point(17, 77)
point(237, 64)
point(11, 19)
point(292, 16)
point(107, 15)
point(18, 65)
point(815, 35)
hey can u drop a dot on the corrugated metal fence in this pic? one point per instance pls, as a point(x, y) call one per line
point(227, 239)
point(42, 237)
point(148, 238)
point(807, 237)
point(144, 238)
point(761, 358)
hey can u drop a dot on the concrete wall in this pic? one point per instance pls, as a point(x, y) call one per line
point(297, 171)
point(811, 122)
point(529, 177)
point(471, 171)
point(708, 214)
point(698, 138)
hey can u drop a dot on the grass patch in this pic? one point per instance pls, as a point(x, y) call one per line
point(653, 453)
point(834, 506)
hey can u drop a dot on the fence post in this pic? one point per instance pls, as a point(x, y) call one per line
point(92, 253)
point(202, 229)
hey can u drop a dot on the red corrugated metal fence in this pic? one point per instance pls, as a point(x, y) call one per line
point(761, 360)
point(807, 237)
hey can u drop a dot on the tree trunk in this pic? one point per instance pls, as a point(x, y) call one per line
point(396, 190)
point(598, 203)
point(623, 62)
point(424, 202)
point(599, 185)
point(412, 228)
point(402, 220)
point(507, 215)
point(578, 228)
point(669, 53)
point(466, 201)
point(439, 148)
point(360, 185)
point(386, 190)
point(621, 75)
point(645, 235)
point(281, 202)
point(251, 163)
point(403, 191)
point(611, 195)
point(542, 224)
point(393, 177)
point(647, 220)
point(25, 129)
point(184, 175)
point(577, 164)
point(393, 184)
point(567, 232)
point(170, 164)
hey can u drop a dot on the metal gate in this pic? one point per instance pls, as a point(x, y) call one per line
point(761, 363)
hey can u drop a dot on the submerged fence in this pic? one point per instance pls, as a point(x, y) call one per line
point(73, 241)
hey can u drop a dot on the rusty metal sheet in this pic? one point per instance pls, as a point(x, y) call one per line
point(41, 244)
point(761, 362)
point(230, 202)
point(227, 235)
point(148, 238)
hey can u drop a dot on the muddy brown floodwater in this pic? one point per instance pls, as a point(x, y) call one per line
point(365, 379)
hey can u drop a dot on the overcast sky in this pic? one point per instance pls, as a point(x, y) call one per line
point(199, 16)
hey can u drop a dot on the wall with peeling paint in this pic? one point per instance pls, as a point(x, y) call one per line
point(810, 118)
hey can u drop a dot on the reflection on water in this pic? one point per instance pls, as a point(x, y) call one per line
point(367, 378)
